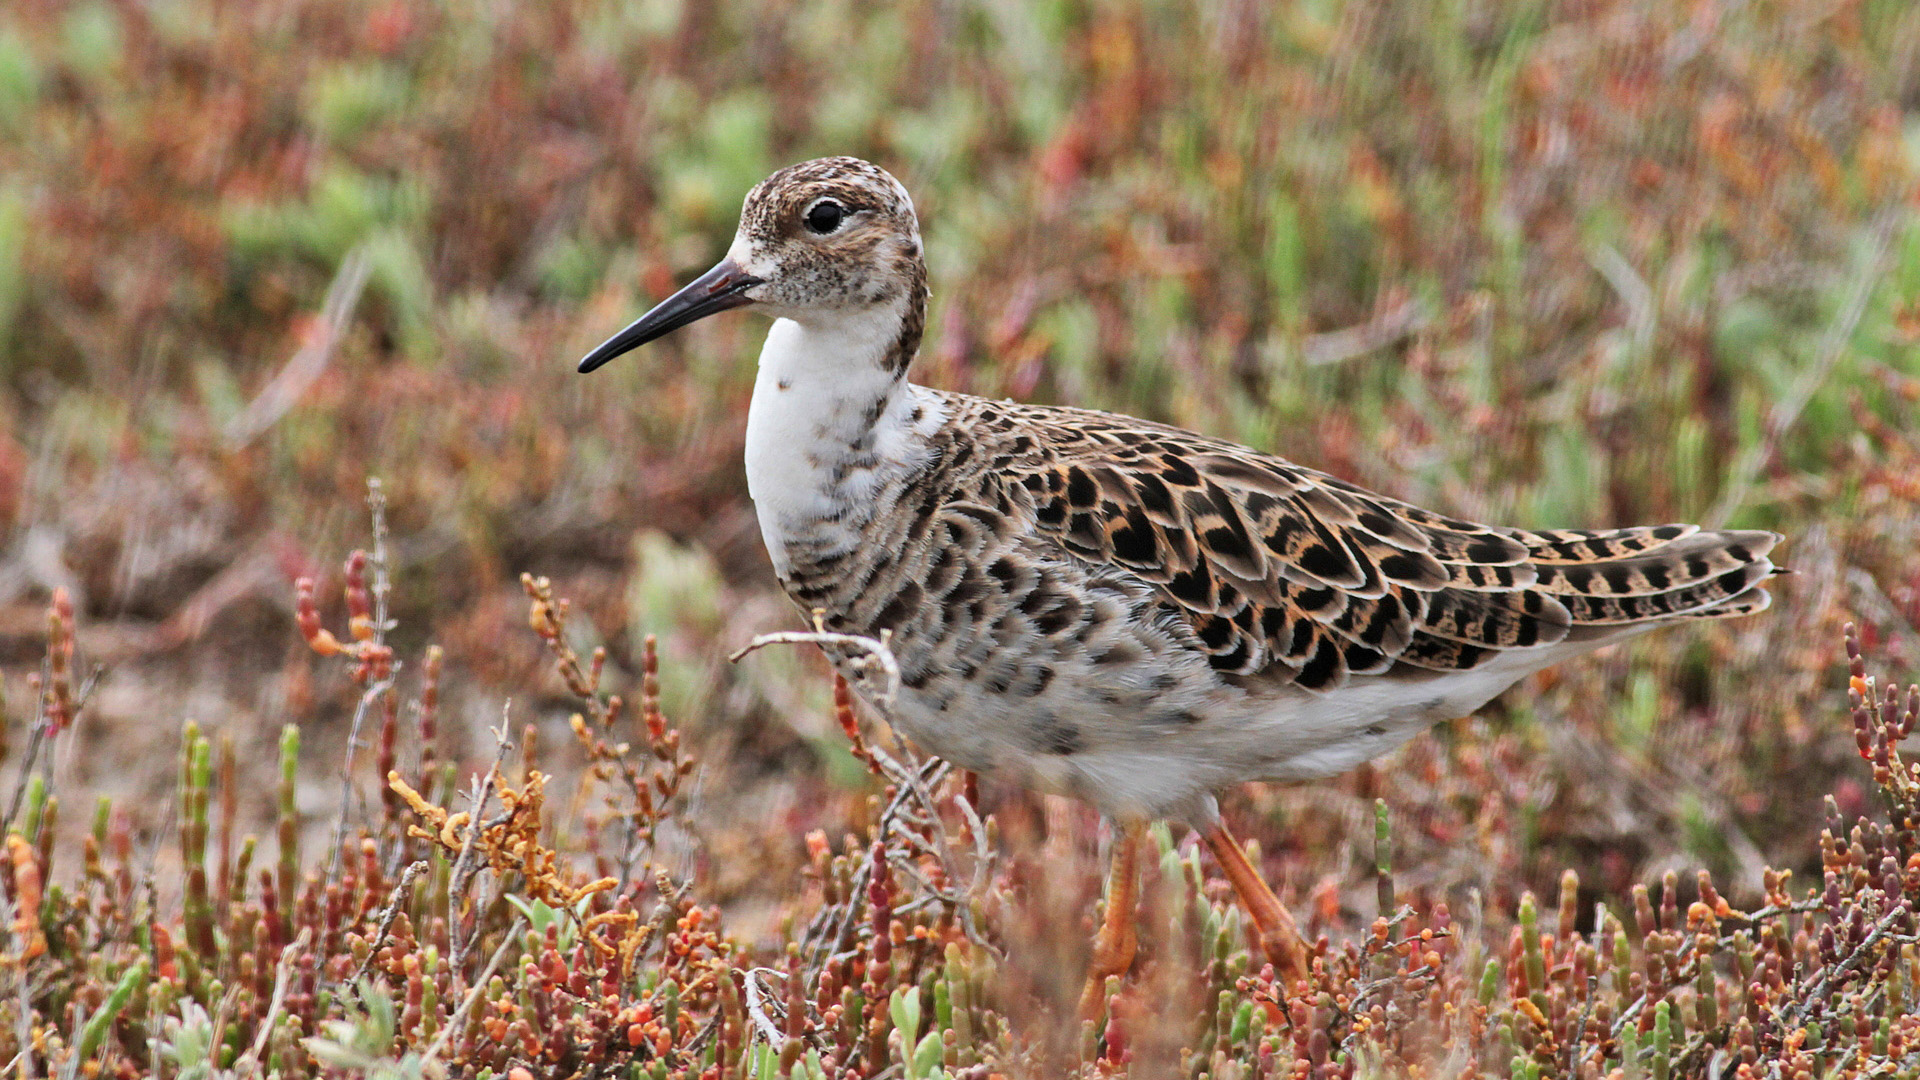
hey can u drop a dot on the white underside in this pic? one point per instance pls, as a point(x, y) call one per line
point(1131, 769)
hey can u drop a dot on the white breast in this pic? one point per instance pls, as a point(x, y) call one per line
point(828, 429)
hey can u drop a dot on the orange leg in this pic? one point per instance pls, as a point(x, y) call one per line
point(1279, 937)
point(1114, 944)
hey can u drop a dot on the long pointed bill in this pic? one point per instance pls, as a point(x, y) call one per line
point(723, 287)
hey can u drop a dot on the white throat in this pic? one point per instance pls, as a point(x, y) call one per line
point(828, 428)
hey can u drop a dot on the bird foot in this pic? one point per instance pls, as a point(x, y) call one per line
point(1116, 942)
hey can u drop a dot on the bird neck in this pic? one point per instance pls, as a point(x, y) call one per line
point(833, 420)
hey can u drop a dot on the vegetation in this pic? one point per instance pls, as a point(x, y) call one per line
point(1564, 264)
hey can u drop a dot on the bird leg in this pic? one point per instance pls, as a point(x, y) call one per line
point(1279, 937)
point(1115, 942)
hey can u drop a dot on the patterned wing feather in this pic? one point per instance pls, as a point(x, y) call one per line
point(1284, 572)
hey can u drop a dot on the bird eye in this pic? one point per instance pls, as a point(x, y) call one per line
point(824, 216)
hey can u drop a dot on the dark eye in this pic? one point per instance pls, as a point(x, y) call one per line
point(824, 216)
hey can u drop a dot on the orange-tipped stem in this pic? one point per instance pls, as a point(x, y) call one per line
point(1279, 937)
point(1114, 944)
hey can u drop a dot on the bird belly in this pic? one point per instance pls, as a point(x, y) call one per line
point(1161, 754)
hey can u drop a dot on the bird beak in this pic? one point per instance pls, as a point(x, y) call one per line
point(723, 287)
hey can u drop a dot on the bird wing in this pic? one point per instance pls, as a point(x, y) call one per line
point(1281, 570)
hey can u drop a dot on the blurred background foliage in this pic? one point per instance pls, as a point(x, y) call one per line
point(1575, 263)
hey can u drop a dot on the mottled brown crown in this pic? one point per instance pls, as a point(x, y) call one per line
point(873, 257)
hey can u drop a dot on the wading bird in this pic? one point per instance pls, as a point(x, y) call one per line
point(1115, 610)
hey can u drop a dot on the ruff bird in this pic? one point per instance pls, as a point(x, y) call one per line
point(1115, 610)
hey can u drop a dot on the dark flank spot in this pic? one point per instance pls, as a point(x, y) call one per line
point(1320, 599)
point(1375, 730)
point(1415, 603)
point(1657, 576)
point(1488, 551)
point(1179, 718)
point(1120, 653)
point(1134, 541)
point(915, 678)
point(1084, 533)
point(1176, 471)
point(1403, 567)
point(1034, 482)
point(1060, 618)
point(898, 608)
point(922, 514)
point(1378, 524)
point(1192, 587)
point(1244, 617)
point(1022, 445)
point(966, 590)
point(1081, 490)
point(1303, 634)
point(1320, 670)
point(917, 413)
point(958, 606)
point(1229, 543)
point(785, 384)
point(874, 410)
point(1272, 621)
point(1213, 632)
point(1461, 526)
point(944, 572)
point(1164, 681)
point(1739, 553)
point(1669, 532)
point(1051, 514)
point(1580, 577)
point(1042, 598)
point(1285, 528)
point(1154, 496)
point(1039, 677)
point(1732, 581)
point(986, 517)
point(1599, 547)
point(1325, 563)
point(1258, 503)
point(1232, 660)
point(1386, 611)
point(1618, 578)
point(1004, 571)
point(1696, 568)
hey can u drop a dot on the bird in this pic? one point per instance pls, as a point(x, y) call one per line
point(1115, 610)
